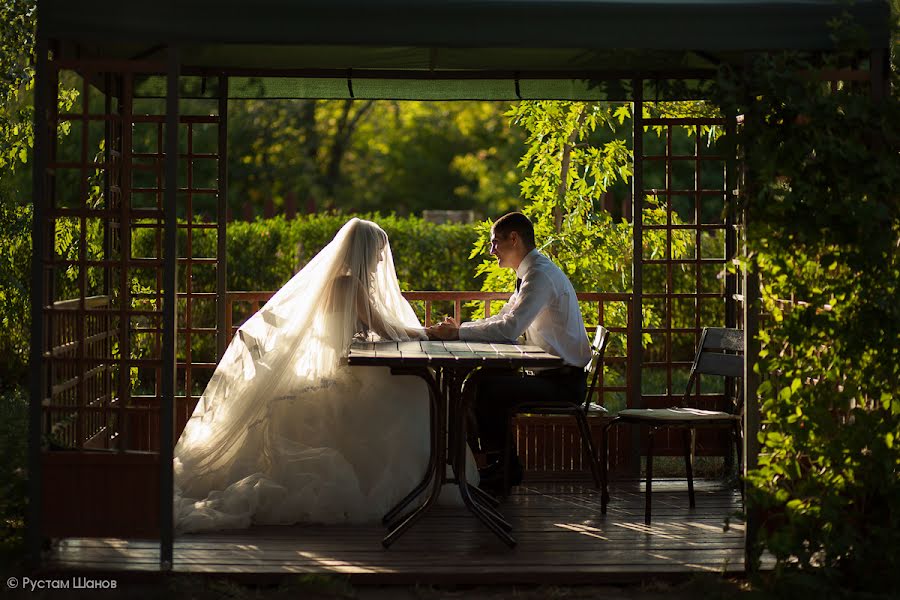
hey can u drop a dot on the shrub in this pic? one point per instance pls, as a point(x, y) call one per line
point(13, 438)
point(824, 226)
point(264, 254)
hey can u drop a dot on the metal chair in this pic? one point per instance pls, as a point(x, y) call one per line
point(579, 408)
point(715, 356)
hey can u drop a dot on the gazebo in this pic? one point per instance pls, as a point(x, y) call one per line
point(172, 70)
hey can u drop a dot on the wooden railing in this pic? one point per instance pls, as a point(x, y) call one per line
point(255, 301)
point(82, 410)
point(548, 445)
point(80, 397)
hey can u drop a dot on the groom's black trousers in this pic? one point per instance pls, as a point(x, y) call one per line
point(497, 391)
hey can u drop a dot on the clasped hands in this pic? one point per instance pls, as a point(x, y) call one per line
point(448, 329)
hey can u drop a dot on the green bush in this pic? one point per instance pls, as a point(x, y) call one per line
point(263, 254)
point(13, 438)
point(15, 292)
point(824, 227)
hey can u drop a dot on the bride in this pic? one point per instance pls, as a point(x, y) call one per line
point(285, 432)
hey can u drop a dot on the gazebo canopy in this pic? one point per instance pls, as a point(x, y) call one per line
point(447, 49)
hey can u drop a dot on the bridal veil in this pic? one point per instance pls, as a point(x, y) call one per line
point(284, 430)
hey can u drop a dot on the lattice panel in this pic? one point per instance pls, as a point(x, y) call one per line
point(689, 240)
point(104, 271)
point(197, 212)
point(81, 346)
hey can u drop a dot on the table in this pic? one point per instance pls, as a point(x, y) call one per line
point(446, 366)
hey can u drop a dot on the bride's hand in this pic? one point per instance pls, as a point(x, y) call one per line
point(446, 330)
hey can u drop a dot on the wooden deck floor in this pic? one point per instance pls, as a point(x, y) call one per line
point(562, 539)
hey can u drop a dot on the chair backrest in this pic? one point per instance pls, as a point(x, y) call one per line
point(716, 355)
point(593, 368)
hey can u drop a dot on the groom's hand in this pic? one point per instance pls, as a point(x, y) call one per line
point(448, 329)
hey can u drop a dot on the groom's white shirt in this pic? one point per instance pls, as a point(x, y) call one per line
point(544, 308)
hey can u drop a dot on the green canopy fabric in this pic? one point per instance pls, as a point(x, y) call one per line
point(453, 49)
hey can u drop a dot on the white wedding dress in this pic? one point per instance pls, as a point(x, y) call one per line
point(285, 432)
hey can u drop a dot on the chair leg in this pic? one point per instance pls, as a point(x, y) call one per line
point(604, 467)
point(650, 433)
point(589, 447)
point(739, 450)
point(504, 465)
point(687, 435)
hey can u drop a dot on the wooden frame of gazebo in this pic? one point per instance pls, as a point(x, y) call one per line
point(81, 338)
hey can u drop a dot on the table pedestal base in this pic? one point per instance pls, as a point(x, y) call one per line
point(448, 403)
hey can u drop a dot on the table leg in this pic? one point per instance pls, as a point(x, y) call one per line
point(448, 443)
point(491, 518)
point(435, 473)
point(434, 398)
point(483, 496)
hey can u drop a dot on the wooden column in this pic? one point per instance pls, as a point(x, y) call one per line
point(37, 377)
point(751, 401)
point(170, 281)
point(222, 223)
point(635, 349)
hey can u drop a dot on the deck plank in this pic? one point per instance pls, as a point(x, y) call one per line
point(562, 538)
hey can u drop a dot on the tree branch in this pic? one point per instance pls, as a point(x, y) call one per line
point(564, 169)
point(346, 126)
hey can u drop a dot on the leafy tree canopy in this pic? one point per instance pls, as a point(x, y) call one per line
point(357, 155)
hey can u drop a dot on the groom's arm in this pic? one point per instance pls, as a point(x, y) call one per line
point(448, 329)
point(511, 322)
point(506, 308)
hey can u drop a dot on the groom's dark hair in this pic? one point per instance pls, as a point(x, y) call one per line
point(515, 221)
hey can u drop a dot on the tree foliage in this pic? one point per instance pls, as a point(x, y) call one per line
point(564, 173)
point(355, 155)
point(16, 140)
point(17, 27)
point(824, 228)
point(575, 153)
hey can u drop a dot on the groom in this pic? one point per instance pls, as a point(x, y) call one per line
point(545, 310)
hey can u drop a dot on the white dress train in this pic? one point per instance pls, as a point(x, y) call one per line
point(285, 431)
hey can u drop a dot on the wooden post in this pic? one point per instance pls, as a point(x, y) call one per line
point(879, 73)
point(731, 316)
point(635, 349)
point(37, 382)
point(751, 403)
point(123, 382)
point(170, 282)
point(222, 332)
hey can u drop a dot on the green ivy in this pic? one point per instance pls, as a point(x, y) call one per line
point(824, 227)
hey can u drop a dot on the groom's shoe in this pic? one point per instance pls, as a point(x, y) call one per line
point(491, 476)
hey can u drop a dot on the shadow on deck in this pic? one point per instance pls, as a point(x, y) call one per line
point(562, 539)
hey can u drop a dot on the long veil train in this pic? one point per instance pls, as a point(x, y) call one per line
point(286, 433)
